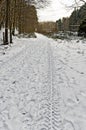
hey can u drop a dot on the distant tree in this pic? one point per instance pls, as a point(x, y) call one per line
point(59, 25)
point(77, 17)
point(82, 28)
point(47, 27)
point(82, 13)
point(65, 24)
point(74, 17)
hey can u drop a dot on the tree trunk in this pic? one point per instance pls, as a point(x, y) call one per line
point(10, 32)
point(10, 22)
point(14, 21)
point(6, 22)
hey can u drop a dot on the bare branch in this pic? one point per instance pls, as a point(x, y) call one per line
point(73, 4)
point(38, 3)
point(83, 1)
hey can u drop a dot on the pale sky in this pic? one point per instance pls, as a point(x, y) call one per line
point(55, 10)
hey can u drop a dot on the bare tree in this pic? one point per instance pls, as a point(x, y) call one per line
point(83, 1)
point(72, 4)
point(38, 3)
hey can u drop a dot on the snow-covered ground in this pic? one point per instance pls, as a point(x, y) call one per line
point(43, 84)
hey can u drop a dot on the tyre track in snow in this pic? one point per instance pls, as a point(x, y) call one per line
point(49, 98)
point(56, 121)
point(49, 113)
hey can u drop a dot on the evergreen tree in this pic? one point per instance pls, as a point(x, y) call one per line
point(82, 28)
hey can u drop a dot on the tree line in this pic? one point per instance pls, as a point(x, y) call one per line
point(17, 14)
point(75, 21)
point(78, 17)
point(20, 15)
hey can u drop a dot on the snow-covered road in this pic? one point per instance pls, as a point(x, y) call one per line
point(43, 85)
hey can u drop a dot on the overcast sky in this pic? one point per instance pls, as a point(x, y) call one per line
point(55, 10)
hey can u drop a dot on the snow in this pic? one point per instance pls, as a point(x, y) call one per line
point(43, 84)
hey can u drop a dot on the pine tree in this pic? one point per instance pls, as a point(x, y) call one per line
point(82, 28)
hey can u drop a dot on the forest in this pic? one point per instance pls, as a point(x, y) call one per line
point(20, 15)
